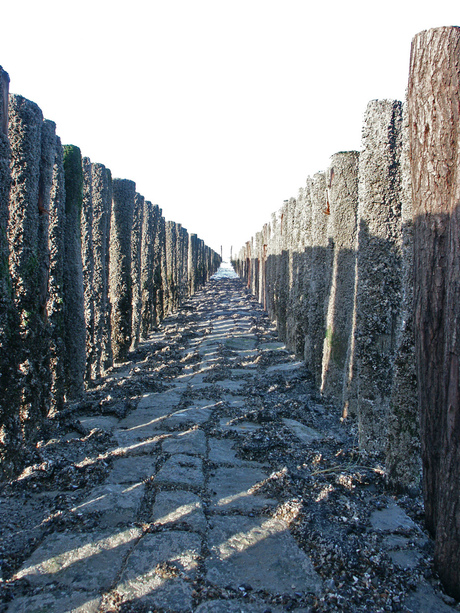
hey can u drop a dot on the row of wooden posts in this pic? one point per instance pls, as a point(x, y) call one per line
point(362, 274)
point(88, 267)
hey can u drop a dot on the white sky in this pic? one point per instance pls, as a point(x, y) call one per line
point(217, 109)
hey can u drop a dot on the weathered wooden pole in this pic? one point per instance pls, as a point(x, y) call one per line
point(343, 206)
point(136, 257)
point(434, 124)
point(74, 315)
point(107, 352)
point(100, 236)
point(29, 257)
point(320, 276)
point(55, 307)
point(402, 462)
point(120, 266)
point(378, 298)
point(147, 268)
point(10, 432)
point(88, 263)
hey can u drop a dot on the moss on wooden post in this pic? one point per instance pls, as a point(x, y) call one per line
point(75, 333)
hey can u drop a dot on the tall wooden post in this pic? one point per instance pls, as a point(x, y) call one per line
point(434, 123)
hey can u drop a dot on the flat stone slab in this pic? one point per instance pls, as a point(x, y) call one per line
point(235, 402)
point(390, 519)
point(191, 442)
point(221, 451)
point(274, 346)
point(156, 570)
point(130, 443)
point(234, 489)
point(46, 602)
point(425, 600)
point(210, 348)
point(87, 561)
point(406, 559)
point(140, 425)
point(181, 470)
point(117, 503)
point(103, 422)
point(179, 506)
point(242, 427)
point(187, 417)
point(232, 386)
point(261, 552)
point(286, 368)
point(161, 400)
point(241, 343)
point(143, 417)
point(132, 469)
point(304, 433)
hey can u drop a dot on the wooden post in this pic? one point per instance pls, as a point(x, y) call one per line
point(434, 124)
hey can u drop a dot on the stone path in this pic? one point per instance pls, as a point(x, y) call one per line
point(229, 488)
point(206, 520)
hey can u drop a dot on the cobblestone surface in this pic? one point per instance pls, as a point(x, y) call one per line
point(207, 475)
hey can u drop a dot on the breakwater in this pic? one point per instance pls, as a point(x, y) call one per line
point(88, 267)
point(361, 274)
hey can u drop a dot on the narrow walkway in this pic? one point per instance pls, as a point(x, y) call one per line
point(229, 488)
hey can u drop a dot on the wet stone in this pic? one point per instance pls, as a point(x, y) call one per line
point(261, 550)
point(87, 561)
point(235, 489)
point(132, 469)
point(157, 570)
point(181, 470)
point(192, 442)
point(179, 507)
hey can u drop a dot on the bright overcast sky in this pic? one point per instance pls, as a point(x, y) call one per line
point(218, 109)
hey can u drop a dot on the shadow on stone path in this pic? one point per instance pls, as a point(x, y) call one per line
point(213, 491)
